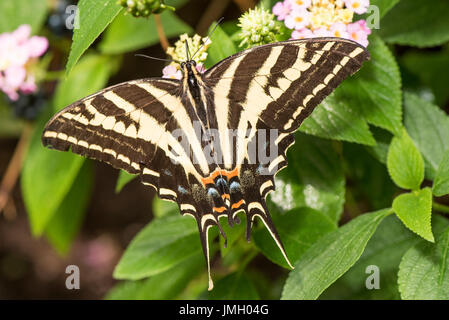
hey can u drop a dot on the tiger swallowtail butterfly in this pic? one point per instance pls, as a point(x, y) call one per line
point(141, 126)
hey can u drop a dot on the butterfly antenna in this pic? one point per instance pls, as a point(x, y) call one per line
point(208, 36)
point(187, 51)
point(154, 58)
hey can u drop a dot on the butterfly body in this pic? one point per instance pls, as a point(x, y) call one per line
point(212, 141)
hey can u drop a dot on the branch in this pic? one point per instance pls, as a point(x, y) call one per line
point(14, 167)
point(160, 32)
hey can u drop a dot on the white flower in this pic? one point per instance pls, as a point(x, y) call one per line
point(297, 19)
point(338, 29)
point(358, 6)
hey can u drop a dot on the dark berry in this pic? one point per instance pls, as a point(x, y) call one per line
point(28, 106)
point(56, 21)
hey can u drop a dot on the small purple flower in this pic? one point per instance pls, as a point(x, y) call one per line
point(171, 72)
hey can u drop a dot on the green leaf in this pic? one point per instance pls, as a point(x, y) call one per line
point(417, 23)
point(66, 221)
point(441, 182)
point(299, 229)
point(314, 178)
point(163, 286)
point(383, 5)
point(376, 88)
point(404, 162)
point(18, 12)
point(424, 270)
point(161, 245)
point(427, 66)
point(428, 126)
point(163, 208)
point(221, 47)
point(415, 211)
point(123, 179)
point(94, 17)
point(384, 250)
point(127, 33)
point(334, 119)
point(49, 172)
point(235, 286)
point(330, 257)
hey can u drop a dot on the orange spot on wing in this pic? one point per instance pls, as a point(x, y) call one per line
point(228, 174)
point(224, 196)
point(219, 209)
point(237, 204)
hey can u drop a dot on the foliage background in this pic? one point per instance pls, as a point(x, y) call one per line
point(367, 180)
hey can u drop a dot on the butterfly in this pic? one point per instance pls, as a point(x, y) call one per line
point(202, 141)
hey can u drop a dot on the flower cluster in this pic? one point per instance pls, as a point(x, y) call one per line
point(197, 46)
point(18, 56)
point(324, 18)
point(143, 8)
point(258, 27)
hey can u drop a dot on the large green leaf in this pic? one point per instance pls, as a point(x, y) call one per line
point(161, 245)
point(384, 250)
point(383, 5)
point(330, 257)
point(235, 286)
point(417, 23)
point(165, 285)
point(441, 183)
point(299, 229)
point(428, 126)
point(424, 270)
point(415, 211)
point(427, 66)
point(221, 47)
point(376, 88)
point(48, 175)
point(66, 221)
point(94, 17)
point(404, 162)
point(314, 178)
point(126, 33)
point(18, 12)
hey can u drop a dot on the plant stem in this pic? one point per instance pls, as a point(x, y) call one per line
point(440, 207)
point(160, 32)
point(15, 165)
point(213, 12)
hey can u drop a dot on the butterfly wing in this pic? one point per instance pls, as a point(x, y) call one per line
point(272, 89)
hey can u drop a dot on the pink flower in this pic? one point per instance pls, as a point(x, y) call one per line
point(322, 32)
point(171, 72)
point(200, 68)
point(297, 19)
point(302, 34)
point(338, 29)
point(300, 4)
point(17, 53)
point(358, 32)
point(282, 9)
point(358, 6)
